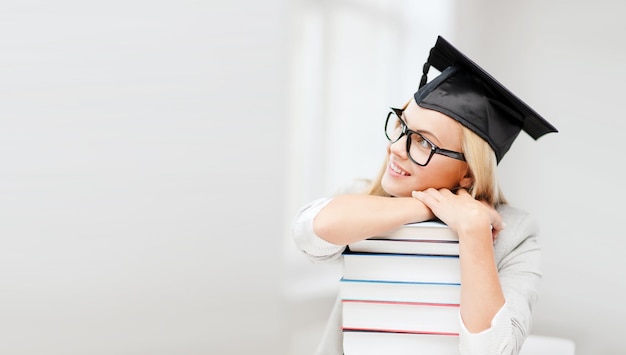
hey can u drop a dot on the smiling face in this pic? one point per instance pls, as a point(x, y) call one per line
point(402, 176)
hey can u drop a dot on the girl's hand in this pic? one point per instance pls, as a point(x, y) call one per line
point(461, 211)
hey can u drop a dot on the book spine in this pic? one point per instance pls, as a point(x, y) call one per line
point(358, 342)
point(403, 246)
point(402, 267)
point(399, 291)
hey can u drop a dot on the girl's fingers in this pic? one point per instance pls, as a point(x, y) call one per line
point(422, 196)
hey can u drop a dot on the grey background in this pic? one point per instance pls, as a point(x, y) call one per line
point(144, 207)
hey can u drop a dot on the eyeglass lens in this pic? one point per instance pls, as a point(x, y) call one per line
point(419, 150)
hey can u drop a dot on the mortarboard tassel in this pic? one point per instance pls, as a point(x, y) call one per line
point(424, 74)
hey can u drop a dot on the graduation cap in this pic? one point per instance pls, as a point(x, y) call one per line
point(470, 95)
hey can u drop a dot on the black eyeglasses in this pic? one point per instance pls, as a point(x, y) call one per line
point(418, 147)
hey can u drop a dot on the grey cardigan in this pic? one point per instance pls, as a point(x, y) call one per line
point(518, 258)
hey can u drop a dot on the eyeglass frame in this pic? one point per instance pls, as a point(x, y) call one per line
point(407, 132)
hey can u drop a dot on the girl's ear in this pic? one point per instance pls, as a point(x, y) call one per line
point(467, 180)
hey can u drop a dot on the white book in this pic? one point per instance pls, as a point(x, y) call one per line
point(395, 291)
point(401, 317)
point(401, 267)
point(428, 230)
point(405, 246)
point(383, 343)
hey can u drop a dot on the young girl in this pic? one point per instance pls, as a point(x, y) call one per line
point(444, 147)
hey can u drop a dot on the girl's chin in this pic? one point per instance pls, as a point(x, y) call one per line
point(395, 190)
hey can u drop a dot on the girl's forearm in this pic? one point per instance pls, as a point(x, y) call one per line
point(481, 292)
point(349, 218)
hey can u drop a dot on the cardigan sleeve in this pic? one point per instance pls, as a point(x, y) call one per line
point(488, 341)
point(315, 248)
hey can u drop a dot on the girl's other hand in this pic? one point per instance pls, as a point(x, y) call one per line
point(461, 211)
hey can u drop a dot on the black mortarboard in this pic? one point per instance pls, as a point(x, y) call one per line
point(468, 94)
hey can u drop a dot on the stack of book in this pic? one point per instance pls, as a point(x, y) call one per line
point(401, 291)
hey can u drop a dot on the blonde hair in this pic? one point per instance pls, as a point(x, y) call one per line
point(482, 168)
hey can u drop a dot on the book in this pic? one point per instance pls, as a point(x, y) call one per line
point(401, 267)
point(427, 230)
point(429, 238)
point(399, 291)
point(406, 246)
point(377, 343)
point(404, 317)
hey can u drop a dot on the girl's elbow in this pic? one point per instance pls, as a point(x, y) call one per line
point(322, 229)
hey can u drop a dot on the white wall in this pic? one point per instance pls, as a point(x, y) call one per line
point(566, 58)
point(136, 219)
point(142, 177)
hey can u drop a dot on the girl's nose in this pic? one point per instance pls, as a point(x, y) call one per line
point(398, 148)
